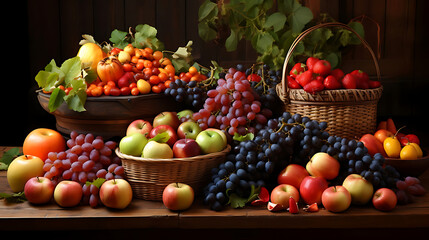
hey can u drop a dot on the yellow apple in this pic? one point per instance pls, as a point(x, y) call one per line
point(21, 169)
point(116, 193)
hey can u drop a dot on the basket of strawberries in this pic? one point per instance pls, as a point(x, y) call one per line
point(348, 103)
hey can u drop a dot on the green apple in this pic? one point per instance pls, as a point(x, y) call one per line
point(133, 144)
point(188, 130)
point(155, 149)
point(222, 134)
point(210, 141)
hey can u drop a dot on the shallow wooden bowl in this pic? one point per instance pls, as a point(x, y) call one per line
point(410, 167)
point(109, 116)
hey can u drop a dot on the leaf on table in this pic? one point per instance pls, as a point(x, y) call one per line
point(13, 197)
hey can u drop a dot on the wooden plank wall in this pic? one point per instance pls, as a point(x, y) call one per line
point(54, 28)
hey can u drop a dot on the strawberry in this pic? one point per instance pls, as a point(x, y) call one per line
point(337, 73)
point(304, 78)
point(322, 67)
point(374, 84)
point(320, 79)
point(274, 207)
point(362, 79)
point(293, 206)
point(314, 86)
point(310, 62)
point(254, 77)
point(263, 198)
point(292, 83)
point(331, 83)
point(349, 81)
point(297, 69)
point(311, 208)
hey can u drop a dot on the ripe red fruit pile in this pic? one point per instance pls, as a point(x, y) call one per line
point(316, 75)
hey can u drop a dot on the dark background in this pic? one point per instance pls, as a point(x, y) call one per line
point(34, 32)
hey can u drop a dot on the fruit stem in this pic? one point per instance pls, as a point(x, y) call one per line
point(398, 131)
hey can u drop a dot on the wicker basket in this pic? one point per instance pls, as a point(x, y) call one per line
point(148, 177)
point(350, 113)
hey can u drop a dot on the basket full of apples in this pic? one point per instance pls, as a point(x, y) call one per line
point(171, 148)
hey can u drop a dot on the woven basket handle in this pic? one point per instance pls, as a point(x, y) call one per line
point(308, 31)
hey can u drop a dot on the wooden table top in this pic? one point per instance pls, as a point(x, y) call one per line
point(153, 215)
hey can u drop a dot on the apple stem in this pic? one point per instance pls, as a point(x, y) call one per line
point(177, 184)
point(398, 131)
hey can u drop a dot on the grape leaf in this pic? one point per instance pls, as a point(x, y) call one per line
point(276, 20)
point(56, 99)
point(97, 182)
point(8, 157)
point(207, 10)
point(242, 138)
point(145, 36)
point(299, 18)
point(161, 137)
point(206, 32)
point(232, 41)
point(118, 38)
point(71, 68)
point(238, 202)
point(13, 197)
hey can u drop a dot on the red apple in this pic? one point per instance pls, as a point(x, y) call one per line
point(142, 126)
point(359, 188)
point(21, 169)
point(116, 193)
point(41, 141)
point(282, 193)
point(164, 128)
point(311, 189)
point(68, 193)
point(382, 134)
point(188, 130)
point(39, 190)
point(373, 145)
point(178, 196)
point(336, 199)
point(384, 199)
point(293, 174)
point(186, 148)
point(167, 118)
point(323, 165)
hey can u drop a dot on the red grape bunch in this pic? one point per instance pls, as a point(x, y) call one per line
point(232, 106)
point(87, 158)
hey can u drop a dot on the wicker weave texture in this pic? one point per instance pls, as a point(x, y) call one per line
point(149, 177)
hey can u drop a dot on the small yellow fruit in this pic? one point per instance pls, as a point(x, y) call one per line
point(392, 147)
point(143, 86)
point(408, 153)
point(419, 150)
point(124, 57)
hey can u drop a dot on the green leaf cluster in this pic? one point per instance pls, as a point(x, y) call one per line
point(69, 75)
point(142, 36)
point(8, 157)
point(271, 27)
